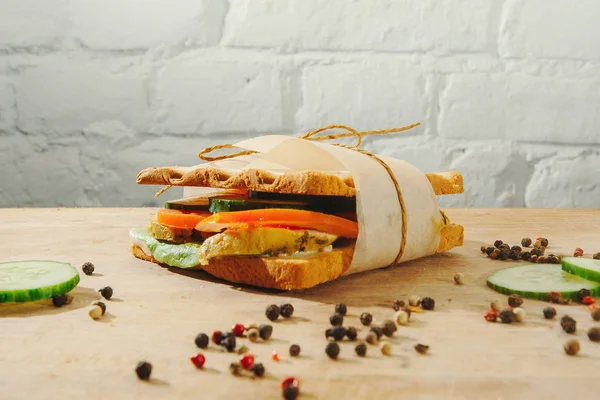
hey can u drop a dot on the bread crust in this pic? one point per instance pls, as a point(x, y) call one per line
point(303, 182)
point(283, 273)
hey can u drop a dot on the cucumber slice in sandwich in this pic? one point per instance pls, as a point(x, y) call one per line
point(537, 280)
point(23, 281)
point(583, 267)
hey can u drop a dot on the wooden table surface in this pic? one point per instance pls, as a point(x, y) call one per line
point(48, 352)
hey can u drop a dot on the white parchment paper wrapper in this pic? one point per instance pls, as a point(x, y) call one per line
point(378, 209)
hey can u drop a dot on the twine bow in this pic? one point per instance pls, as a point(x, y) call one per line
point(350, 132)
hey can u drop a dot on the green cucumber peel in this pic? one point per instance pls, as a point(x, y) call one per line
point(585, 268)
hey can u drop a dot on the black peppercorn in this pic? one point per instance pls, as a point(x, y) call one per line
point(366, 318)
point(361, 349)
point(544, 242)
point(594, 334)
point(235, 368)
point(272, 312)
point(290, 392)
point(332, 350)
point(143, 370)
point(507, 316)
point(378, 331)
point(516, 248)
point(341, 309)
point(583, 293)
point(498, 243)
point(536, 252)
point(427, 303)
point(286, 310)
point(503, 255)
point(338, 333)
point(549, 312)
point(514, 300)
point(201, 340)
point(294, 350)
point(258, 369)
point(351, 333)
point(504, 247)
point(597, 256)
point(88, 268)
point(59, 300)
point(229, 343)
point(552, 259)
point(328, 332)
point(568, 324)
point(336, 319)
point(265, 331)
point(526, 242)
point(489, 250)
point(101, 305)
point(421, 348)
point(525, 256)
point(596, 314)
point(514, 255)
point(106, 292)
point(388, 328)
point(398, 304)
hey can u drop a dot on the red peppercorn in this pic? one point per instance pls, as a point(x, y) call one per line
point(293, 382)
point(587, 300)
point(216, 337)
point(238, 330)
point(247, 361)
point(198, 360)
point(491, 315)
point(275, 355)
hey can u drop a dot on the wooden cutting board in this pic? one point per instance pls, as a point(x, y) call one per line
point(61, 353)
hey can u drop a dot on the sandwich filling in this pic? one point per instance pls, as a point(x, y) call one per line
point(190, 232)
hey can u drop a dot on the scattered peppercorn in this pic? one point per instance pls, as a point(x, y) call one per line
point(514, 300)
point(536, 252)
point(216, 337)
point(583, 293)
point(294, 350)
point(596, 314)
point(549, 312)
point(332, 350)
point(253, 334)
point(247, 361)
point(286, 310)
point(519, 314)
point(235, 368)
point(498, 243)
point(366, 318)
point(494, 254)
point(459, 278)
point(588, 300)
point(491, 315)
point(242, 349)
point(505, 247)
point(597, 256)
point(577, 254)
point(496, 305)
point(275, 356)
point(401, 317)
point(388, 328)
point(507, 316)
point(514, 255)
point(201, 340)
point(386, 348)
point(427, 303)
point(542, 249)
point(544, 242)
point(341, 309)
point(336, 320)
point(414, 301)
point(555, 297)
point(421, 348)
point(568, 324)
point(489, 250)
point(552, 259)
point(265, 331)
point(398, 304)
point(272, 312)
point(572, 347)
point(258, 369)
point(338, 333)
point(351, 333)
point(60, 300)
point(238, 330)
point(143, 370)
point(361, 349)
point(542, 260)
point(106, 292)
point(290, 393)
point(538, 243)
point(483, 249)
point(533, 258)
point(88, 268)
point(526, 242)
point(372, 338)
point(378, 331)
point(198, 360)
point(503, 255)
point(229, 343)
point(250, 325)
point(525, 256)
point(516, 248)
point(594, 334)
point(97, 310)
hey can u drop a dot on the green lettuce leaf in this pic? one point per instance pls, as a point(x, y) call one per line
point(175, 255)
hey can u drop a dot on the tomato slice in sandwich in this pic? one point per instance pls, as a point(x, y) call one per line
point(180, 219)
point(276, 217)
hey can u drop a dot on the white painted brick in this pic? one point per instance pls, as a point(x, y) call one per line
point(428, 155)
point(26, 23)
point(389, 25)
point(7, 105)
point(199, 96)
point(138, 24)
point(62, 95)
point(360, 95)
point(520, 107)
point(566, 182)
point(551, 29)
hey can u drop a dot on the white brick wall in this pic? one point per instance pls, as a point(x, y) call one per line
point(507, 91)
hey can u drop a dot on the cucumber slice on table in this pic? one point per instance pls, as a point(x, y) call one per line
point(22, 281)
point(537, 280)
point(583, 267)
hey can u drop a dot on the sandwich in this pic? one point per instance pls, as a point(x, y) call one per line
point(290, 213)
